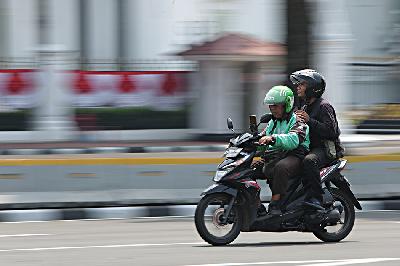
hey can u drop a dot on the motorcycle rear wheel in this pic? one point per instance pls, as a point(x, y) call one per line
point(347, 223)
point(208, 220)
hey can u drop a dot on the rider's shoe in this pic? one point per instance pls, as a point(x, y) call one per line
point(313, 203)
point(274, 208)
point(261, 211)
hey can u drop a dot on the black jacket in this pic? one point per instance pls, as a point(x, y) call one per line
point(323, 123)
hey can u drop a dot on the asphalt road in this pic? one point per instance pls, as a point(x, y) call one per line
point(374, 241)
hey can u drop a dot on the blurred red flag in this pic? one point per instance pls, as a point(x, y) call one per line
point(16, 85)
point(81, 84)
point(169, 85)
point(127, 85)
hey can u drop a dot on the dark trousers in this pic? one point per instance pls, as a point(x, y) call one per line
point(312, 164)
point(280, 173)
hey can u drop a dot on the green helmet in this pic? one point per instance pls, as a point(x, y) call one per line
point(280, 95)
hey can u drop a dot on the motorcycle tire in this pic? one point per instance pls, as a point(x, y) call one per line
point(202, 213)
point(348, 223)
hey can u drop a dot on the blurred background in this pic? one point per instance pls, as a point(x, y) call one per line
point(72, 66)
point(117, 109)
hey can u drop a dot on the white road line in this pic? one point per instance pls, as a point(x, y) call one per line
point(353, 261)
point(262, 263)
point(23, 222)
point(314, 262)
point(103, 219)
point(102, 246)
point(377, 211)
point(24, 235)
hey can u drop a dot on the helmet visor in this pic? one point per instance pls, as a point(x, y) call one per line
point(296, 80)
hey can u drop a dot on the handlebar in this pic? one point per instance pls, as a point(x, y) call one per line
point(258, 137)
point(259, 144)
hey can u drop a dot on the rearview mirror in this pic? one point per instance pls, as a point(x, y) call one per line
point(265, 118)
point(253, 124)
point(230, 123)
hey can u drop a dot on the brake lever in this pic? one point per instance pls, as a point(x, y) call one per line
point(259, 144)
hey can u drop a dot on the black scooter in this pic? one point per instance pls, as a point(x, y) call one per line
point(229, 206)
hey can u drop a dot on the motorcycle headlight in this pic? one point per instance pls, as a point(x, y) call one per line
point(236, 163)
point(220, 174)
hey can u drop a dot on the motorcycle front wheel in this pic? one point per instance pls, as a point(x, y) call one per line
point(209, 217)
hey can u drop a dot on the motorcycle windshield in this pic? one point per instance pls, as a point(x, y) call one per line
point(225, 163)
point(232, 152)
point(241, 139)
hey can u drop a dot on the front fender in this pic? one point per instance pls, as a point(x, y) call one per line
point(219, 188)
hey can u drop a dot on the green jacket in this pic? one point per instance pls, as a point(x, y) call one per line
point(289, 135)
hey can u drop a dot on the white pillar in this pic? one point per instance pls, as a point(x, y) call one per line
point(220, 95)
point(264, 19)
point(22, 28)
point(4, 28)
point(53, 115)
point(102, 33)
point(151, 28)
point(332, 49)
point(64, 19)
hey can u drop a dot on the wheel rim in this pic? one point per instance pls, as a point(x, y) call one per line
point(344, 218)
point(213, 216)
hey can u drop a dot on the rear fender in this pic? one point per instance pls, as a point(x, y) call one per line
point(343, 184)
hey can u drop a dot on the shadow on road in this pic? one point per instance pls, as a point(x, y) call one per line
point(280, 244)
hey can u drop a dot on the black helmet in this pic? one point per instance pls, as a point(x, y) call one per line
point(315, 82)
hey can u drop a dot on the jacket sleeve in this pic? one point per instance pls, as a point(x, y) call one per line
point(291, 140)
point(266, 131)
point(327, 128)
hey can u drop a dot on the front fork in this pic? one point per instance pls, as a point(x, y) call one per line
point(227, 210)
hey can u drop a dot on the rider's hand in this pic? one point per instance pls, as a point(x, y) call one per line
point(302, 116)
point(266, 140)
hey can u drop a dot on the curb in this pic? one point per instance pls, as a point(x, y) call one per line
point(350, 141)
point(140, 149)
point(139, 212)
point(132, 149)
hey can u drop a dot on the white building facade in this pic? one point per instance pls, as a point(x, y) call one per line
point(140, 35)
point(114, 31)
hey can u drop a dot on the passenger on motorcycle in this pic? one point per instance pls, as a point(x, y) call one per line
point(320, 116)
point(287, 136)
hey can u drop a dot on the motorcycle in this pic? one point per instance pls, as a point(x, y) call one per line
point(230, 205)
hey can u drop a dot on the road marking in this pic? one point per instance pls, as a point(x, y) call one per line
point(81, 175)
point(314, 262)
point(377, 210)
point(353, 261)
point(151, 173)
point(23, 222)
point(102, 246)
point(260, 263)
point(10, 176)
point(24, 235)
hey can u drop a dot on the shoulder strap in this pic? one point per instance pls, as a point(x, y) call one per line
point(273, 128)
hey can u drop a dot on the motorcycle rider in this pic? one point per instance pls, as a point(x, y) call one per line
point(320, 116)
point(289, 137)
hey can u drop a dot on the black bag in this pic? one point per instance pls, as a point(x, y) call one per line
point(329, 149)
point(340, 150)
point(333, 149)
